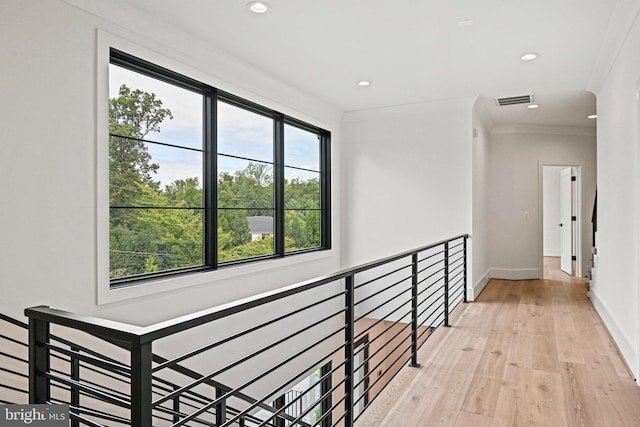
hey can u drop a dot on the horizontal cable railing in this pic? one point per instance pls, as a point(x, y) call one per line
point(316, 353)
point(14, 363)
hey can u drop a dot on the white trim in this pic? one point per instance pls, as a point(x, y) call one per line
point(484, 115)
point(167, 284)
point(515, 273)
point(480, 285)
point(551, 252)
point(543, 130)
point(627, 350)
point(637, 209)
point(620, 25)
point(405, 110)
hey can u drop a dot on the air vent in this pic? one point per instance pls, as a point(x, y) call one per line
point(514, 100)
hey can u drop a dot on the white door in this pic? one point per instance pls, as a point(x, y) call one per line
point(566, 238)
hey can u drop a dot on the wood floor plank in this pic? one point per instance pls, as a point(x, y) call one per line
point(494, 356)
point(578, 402)
point(543, 322)
point(505, 320)
point(545, 353)
point(546, 417)
point(525, 319)
point(528, 292)
point(546, 389)
point(521, 351)
point(466, 419)
point(513, 408)
point(482, 396)
point(570, 348)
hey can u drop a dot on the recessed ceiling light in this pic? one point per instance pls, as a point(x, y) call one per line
point(593, 116)
point(529, 56)
point(258, 7)
point(532, 106)
point(364, 83)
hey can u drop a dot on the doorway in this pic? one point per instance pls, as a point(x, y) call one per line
point(361, 375)
point(561, 218)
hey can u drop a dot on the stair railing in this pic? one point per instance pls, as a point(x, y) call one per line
point(261, 346)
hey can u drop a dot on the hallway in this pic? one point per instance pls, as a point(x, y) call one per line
point(526, 353)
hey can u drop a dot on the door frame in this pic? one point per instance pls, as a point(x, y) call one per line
point(567, 226)
point(579, 218)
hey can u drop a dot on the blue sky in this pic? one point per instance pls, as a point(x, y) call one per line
point(240, 133)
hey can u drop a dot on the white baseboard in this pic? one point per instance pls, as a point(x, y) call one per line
point(479, 286)
point(515, 273)
point(626, 348)
point(551, 252)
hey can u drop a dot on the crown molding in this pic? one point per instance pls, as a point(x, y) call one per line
point(544, 130)
point(624, 16)
point(416, 109)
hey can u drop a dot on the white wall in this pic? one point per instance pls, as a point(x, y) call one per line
point(482, 123)
point(516, 156)
point(615, 293)
point(407, 178)
point(551, 210)
point(49, 227)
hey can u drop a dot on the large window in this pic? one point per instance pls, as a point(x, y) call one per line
point(200, 179)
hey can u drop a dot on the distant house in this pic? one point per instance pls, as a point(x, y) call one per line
point(260, 226)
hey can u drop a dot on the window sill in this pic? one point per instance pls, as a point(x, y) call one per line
point(107, 295)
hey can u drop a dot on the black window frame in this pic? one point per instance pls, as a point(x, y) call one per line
point(211, 96)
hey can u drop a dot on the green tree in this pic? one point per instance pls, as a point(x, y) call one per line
point(132, 115)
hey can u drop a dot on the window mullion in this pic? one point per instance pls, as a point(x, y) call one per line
point(325, 191)
point(278, 160)
point(210, 184)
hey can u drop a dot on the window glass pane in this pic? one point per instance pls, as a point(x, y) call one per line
point(302, 229)
point(301, 148)
point(151, 240)
point(244, 234)
point(244, 133)
point(150, 109)
point(245, 184)
point(147, 175)
point(302, 189)
point(175, 177)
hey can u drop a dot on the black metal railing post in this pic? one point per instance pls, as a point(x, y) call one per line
point(75, 391)
point(39, 362)
point(446, 284)
point(414, 311)
point(325, 389)
point(464, 260)
point(349, 336)
point(279, 403)
point(141, 387)
point(221, 408)
point(176, 406)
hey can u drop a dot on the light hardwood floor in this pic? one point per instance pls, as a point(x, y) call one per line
point(526, 353)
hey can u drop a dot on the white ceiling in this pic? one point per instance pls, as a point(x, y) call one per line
point(414, 50)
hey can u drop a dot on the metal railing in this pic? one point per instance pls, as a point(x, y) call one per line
point(14, 378)
point(232, 365)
